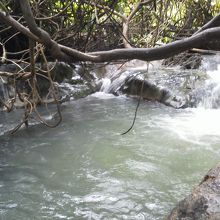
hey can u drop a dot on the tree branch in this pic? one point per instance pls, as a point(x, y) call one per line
point(215, 22)
point(43, 35)
point(162, 52)
point(147, 54)
point(73, 55)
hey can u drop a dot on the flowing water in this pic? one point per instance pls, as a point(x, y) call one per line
point(85, 168)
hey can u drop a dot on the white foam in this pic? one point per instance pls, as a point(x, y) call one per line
point(195, 124)
point(102, 95)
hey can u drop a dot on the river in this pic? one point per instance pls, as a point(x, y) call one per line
point(85, 168)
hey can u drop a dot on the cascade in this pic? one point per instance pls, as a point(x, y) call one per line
point(3, 90)
point(212, 97)
point(116, 76)
point(112, 85)
point(201, 88)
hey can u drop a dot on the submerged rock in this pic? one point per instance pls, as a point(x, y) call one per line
point(204, 202)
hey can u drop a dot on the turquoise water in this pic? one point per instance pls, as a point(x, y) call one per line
point(84, 169)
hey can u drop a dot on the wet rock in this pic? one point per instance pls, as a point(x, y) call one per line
point(72, 81)
point(171, 86)
point(81, 84)
point(204, 202)
point(152, 92)
point(76, 91)
point(58, 71)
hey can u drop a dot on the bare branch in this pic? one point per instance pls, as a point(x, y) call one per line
point(4, 54)
point(162, 52)
point(215, 22)
point(43, 35)
point(70, 55)
point(137, 7)
point(56, 15)
point(123, 17)
point(15, 24)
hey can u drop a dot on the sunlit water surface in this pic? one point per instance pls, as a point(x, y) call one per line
point(84, 169)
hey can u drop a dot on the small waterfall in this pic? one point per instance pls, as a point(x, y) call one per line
point(112, 85)
point(203, 89)
point(212, 97)
point(106, 83)
point(116, 75)
point(4, 96)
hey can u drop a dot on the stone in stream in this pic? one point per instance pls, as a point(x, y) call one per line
point(152, 92)
point(204, 201)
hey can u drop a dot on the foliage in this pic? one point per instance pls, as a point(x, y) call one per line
point(83, 25)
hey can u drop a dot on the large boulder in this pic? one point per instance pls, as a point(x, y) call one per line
point(204, 202)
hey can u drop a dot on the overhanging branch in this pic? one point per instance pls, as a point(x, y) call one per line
point(67, 54)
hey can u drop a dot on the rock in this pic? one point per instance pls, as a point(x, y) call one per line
point(171, 86)
point(81, 84)
point(59, 71)
point(72, 81)
point(152, 92)
point(204, 202)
